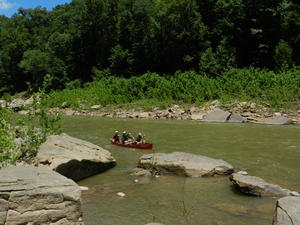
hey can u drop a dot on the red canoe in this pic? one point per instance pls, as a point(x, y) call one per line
point(146, 146)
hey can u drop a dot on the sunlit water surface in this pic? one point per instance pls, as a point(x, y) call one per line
point(270, 152)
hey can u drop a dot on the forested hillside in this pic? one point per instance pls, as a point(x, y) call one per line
point(125, 38)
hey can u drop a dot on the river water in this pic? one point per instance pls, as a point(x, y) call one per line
point(270, 152)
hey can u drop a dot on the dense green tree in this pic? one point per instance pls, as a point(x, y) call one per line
point(131, 37)
point(38, 64)
point(283, 55)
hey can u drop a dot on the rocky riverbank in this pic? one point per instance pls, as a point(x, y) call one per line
point(211, 112)
point(238, 112)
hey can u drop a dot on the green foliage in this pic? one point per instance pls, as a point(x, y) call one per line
point(276, 89)
point(120, 60)
point(283, 55)
point(137, 36)
point(7, 97)
point(208, 63)
point(77, 83)
point(99, 74)
point(20, 140)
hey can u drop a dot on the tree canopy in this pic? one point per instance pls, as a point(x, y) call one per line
point(132, 37)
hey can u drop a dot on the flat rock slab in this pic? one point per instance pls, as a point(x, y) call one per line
point(256, 186)
point(185, 164)
point(74, 158)
point(217, 115)
point(277, 120)
point(32, 195)
point(287, 211)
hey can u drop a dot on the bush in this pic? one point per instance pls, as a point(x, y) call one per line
point(276, 89)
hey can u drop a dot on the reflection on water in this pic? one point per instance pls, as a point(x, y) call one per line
point(270, 152)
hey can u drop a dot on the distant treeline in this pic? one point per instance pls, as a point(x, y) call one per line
point(132, 37)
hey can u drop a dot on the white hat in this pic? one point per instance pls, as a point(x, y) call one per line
point(116, 131)
point(124, 132)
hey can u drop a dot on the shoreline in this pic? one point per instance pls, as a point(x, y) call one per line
point(244, 112)
point(213, 111)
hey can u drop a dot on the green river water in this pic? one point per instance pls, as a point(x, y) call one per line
point(270, 152)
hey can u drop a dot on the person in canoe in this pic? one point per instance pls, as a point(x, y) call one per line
point(124, 137)
point(116, 137)
point(139, 138)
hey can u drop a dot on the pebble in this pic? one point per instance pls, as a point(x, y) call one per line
point(136, 180)
point(243, 172)
point(121, 194)
point(82, 188)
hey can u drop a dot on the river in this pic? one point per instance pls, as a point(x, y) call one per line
point(270, 152)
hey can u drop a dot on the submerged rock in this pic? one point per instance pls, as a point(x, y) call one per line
point(287, 211)
point(277, 120)
point(186, 164)
point(256, 186)
point(217, 115)
point(31, 195)
point(74, 158)
point(140, 172)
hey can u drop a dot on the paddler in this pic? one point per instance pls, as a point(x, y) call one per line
point(139, 138)
point(116, 137)
point(124, 137)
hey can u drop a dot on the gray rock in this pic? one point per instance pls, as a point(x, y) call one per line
point(196, 116)
point(277, 120)
point(140, 172)
point(234, 118)
point(16, 104)
point(186, 164)
point(287, 211)
point(31, 195)
point(74, 158)
point(217, 115)
point(28, 101)
point(143, 115)
point(256, 186)
point(95, 107)
point(24, 112)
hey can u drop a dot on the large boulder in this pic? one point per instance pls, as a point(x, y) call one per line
point(276, 120)
point(31, 195)
point(256, 186)
point(74, 158)
point(217, 115)
point(287, 211)
point(186, 164)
